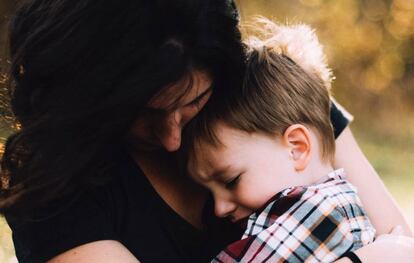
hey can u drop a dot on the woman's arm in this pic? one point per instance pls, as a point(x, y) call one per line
point(396, 249)
point(99, 251)
point(393, 247)
point(382, 210)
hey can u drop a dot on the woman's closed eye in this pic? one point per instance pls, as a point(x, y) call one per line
point(232, 183)
point(197, 101)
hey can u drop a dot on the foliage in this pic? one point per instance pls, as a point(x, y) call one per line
point(370, 46)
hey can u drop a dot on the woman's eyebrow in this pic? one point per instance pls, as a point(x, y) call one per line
point(199, 97)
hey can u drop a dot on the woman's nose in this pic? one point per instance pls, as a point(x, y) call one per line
point(170, 137)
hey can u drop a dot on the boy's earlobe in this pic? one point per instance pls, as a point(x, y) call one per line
point(297, 137)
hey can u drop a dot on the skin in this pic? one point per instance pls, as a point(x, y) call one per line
point(348, 155)
point(160, 126)
point(392, 247)
point(155, 135)
point(371, 189)
point(250, 168)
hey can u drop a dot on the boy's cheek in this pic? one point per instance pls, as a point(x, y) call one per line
point(252, 198)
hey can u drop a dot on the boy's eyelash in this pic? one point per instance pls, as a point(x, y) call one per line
point(233, 182)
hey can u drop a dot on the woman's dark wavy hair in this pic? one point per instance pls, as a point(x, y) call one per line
point(82, 70)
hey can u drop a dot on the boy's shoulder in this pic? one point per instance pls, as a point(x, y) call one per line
point(332, 192)
point(332, 197)
point(334, 189)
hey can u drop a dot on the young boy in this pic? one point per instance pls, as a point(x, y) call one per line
point(266, 154)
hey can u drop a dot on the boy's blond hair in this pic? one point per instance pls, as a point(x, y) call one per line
point(286, 82)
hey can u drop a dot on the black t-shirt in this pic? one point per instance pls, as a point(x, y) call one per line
point(129, 210)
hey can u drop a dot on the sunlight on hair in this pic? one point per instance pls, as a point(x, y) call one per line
point(298, 42)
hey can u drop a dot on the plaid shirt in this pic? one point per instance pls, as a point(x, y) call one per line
point(317, 223)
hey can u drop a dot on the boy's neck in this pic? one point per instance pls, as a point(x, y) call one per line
point(317, 170)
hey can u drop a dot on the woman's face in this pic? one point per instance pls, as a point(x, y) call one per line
point(160, 126)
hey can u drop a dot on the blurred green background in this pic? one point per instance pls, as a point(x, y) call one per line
point(370, 46)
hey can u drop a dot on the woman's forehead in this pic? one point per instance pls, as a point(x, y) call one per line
point(182, 92)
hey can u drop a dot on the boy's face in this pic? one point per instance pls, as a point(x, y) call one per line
point(243, 173)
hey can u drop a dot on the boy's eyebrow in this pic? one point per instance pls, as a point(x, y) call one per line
point(199, 97)
point(220, 172)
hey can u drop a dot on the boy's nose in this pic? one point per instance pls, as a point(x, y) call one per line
point(224, 208)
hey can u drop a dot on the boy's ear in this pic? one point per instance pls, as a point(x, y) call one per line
point(298, 139)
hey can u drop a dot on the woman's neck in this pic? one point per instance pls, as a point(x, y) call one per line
point(185, 197)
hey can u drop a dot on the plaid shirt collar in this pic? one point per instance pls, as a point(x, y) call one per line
point(315, 223)
point(282, 202)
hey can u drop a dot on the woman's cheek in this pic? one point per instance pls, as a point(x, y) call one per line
point(189, 113)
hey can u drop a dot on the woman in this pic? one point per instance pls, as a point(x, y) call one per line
point(102, 91)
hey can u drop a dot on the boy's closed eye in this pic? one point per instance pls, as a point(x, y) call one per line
point(232, 183)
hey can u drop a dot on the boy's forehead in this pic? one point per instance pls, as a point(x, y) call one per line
point(211, 172)
point(205, 153)
point(212, 159)
point(212, 154)
point(207, 160)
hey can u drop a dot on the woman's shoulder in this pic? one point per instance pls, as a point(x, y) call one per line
point(125, 209)
point(53, 229)
point(94, 214)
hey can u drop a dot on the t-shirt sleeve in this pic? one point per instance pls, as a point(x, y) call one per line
point(340, 118)
point(85, 220)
